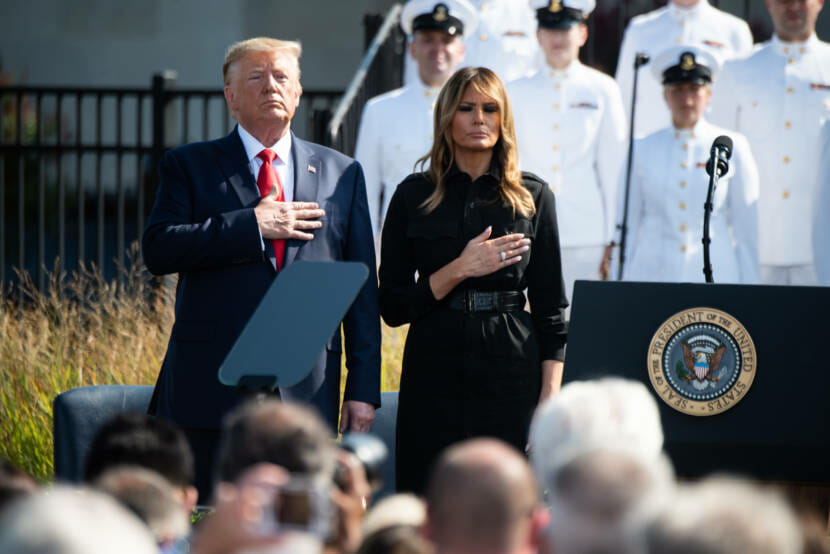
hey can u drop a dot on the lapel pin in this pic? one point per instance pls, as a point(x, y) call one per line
point(312, 169)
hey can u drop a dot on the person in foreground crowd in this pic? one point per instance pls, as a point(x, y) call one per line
point(297, 440)
point(596, 449)
point(482, 499)
point(669, 187)
point(153, 499)
point(503, 41)
point(680, 22)
point(460, 243)
point(571, 131)
point(821, 210)
point(66, 520)
point(229, 215)
point(396, 127)
point(778, 98)
point(14, 483)
point(135, 439)
point(725, 516)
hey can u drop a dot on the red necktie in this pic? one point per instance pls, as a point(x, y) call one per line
point(268, 183)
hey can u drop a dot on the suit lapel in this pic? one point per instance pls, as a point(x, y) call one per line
point(307, 170)
point(234, 164)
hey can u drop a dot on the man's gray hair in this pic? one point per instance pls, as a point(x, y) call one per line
point(610, 413)
point(723, 515)
point(603, 499)
point(282, 433)
point(64, 520)
point(238, 50)
point(596, 448)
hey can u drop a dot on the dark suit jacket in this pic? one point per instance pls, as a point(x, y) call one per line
point(203, 227)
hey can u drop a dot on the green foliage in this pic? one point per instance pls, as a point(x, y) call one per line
point(83, 330)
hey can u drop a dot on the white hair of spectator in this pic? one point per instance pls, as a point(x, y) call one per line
point(610, 413)
point(64, 520)
point(723, 515)
point(398, 509)
point(602, 500)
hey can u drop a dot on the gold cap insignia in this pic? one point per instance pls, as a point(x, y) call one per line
point(555, 6)
point(440, 13)
point(687, 61)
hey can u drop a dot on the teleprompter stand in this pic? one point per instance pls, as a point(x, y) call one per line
point(778, 429)
point(296, 317)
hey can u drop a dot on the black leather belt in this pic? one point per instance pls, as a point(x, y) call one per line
point(487, 301)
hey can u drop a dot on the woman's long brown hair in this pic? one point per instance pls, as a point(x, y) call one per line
point(442, 155)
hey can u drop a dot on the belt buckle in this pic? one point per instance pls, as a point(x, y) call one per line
point(469, 301)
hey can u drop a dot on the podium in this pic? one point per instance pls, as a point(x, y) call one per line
point(775, 427)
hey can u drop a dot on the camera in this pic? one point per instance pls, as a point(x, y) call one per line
point(372, 453)
point(300, 505)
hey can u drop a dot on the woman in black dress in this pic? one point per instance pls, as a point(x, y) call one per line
point(460, 242)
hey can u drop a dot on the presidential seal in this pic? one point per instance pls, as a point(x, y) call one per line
point(701, 361)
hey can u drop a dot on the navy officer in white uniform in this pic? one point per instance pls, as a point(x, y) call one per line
point(778, 97)
point(503, 41)
point(821, 210)
point(396, 127)
point(680, 22)
point(669, 186)
point(571, 130)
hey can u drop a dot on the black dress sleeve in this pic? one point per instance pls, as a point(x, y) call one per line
point(545, 285)
point(403, 299)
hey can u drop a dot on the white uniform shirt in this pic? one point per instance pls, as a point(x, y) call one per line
point(504, 40)
point(395, 131)
point(571, 132)
point(665, 217)
point(821, 210)
point(778, 98)
point(723, 34)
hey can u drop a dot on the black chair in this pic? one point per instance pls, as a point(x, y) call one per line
point(79, 413)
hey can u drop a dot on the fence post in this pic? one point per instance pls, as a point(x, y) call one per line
point(162, 83)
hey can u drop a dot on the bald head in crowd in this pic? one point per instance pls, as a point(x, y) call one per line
point(482, 498)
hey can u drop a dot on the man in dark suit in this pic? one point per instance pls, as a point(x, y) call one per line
point(228, 216)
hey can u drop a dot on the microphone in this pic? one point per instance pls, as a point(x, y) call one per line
point(641, 59)
point(719, 155)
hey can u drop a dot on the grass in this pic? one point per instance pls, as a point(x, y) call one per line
point(83, 330)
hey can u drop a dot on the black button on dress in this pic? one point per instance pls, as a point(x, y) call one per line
point(467, 374)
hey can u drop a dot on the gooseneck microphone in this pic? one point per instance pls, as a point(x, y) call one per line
point(640, 59)
point(719, 155)
point(716, 167)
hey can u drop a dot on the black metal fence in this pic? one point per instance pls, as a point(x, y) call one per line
point(77, 166)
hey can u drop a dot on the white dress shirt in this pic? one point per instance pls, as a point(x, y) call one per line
point(283, 164)
point(821, 210)
point(571, 132)
point(778, 98)
point(504, 40)
point(703, 25)
point(665, 217)
point(395, 131)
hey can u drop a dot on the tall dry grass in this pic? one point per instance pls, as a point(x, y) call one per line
point(83, 330)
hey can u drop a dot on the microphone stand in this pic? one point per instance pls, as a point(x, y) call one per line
point(640, 59)
point(707, 212)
